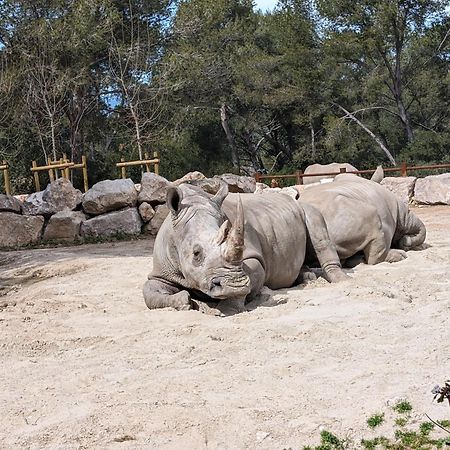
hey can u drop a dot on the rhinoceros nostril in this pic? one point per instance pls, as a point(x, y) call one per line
point(216, 281)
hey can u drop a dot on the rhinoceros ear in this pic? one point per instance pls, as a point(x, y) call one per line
point(219, 197)
point(173, 200)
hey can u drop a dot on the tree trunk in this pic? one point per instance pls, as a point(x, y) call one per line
point(137, 129)
point(313, 138)
point(52, 126)
point(226, 128)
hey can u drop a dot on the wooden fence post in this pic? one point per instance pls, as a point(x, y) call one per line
point(147, 165)
point(257, 177)
point(124, 173)
point(36, 177)
point(85, 173)
point(6, 178)
point(298, 176)
point(155, 155)
point(403, 169)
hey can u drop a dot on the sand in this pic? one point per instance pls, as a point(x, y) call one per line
point(84, 364)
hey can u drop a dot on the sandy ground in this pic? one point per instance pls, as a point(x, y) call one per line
point(84, 364)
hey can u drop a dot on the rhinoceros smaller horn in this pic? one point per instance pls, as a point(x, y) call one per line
point(173, 200)
point(220, 195)
point(235, 240)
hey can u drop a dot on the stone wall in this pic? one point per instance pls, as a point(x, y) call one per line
point(111, 208)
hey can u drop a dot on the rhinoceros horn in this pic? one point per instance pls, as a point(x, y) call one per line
point(235, 240)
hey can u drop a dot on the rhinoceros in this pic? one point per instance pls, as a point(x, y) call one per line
point(325, 168)
point(362, 215)
point(226, 247)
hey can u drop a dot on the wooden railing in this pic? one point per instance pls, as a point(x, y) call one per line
point(299, 175)
point(64, 166)
point(4, 167)
point(122, 165)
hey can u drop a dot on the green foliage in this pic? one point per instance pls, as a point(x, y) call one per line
point(216, 86)
point(403, 407)
point(375, 420)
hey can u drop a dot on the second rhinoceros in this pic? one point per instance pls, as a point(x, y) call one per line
point(225, 248)
point(363, 216)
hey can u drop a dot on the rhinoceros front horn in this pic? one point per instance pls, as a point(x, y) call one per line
point(235, 240)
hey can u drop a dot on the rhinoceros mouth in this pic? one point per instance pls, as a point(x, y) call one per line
point(229, 285)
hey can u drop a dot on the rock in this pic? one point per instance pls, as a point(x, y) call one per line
point(57, 196)
point(10, 204)
point(64, 226)
point(402, 187)
point(161, 212)
point(433, 190)
point(109, 195)
point(16, 230)
point(189, 177)
point(260, 187)
point(153, 188)
point(146, 211)
point(291, 191)
point(209, 185)
point(124, 222)
point(238, 183)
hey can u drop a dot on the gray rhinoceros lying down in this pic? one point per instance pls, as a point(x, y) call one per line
point(363, 216)
point(203, 250)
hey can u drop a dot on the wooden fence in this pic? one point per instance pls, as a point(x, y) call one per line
point(299, 175)
point(4, 167)
point(122, 165)
point(59, 168)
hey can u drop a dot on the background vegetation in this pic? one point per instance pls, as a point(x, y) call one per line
point(215, 86)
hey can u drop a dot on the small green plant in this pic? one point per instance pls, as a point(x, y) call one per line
point(373, 443)
point(401, 421)
point(328, 441)
point(375, 420)
point(403, 407)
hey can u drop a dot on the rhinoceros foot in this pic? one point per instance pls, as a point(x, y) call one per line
point(181, 301)
point(395, 255)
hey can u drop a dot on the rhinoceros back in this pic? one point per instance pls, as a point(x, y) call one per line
point(275, 234)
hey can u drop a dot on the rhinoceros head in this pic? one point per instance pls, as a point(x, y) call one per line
point(208, 248)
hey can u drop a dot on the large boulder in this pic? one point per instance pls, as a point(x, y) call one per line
point(64, 226)
point(109, 195)
point(57, 196)
point(17, 230)
point(153, 188)
point(238, 183)
point(161, 212)
point(402, 187)
point(117, 223)
point(9, 203)
point(433, 190)
point(189, 177)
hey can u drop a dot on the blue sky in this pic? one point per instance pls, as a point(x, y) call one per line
point(264, 5)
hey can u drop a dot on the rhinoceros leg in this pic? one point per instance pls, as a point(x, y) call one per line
point(159, 294)
point(395, 255)
point(321, 242)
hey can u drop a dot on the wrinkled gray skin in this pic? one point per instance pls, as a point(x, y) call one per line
point(325, 168)
point(227, 247)
point(363, 216)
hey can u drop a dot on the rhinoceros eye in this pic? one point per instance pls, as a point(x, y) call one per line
point(198, 255)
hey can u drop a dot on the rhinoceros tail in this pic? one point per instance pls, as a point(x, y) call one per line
point(378, 175)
